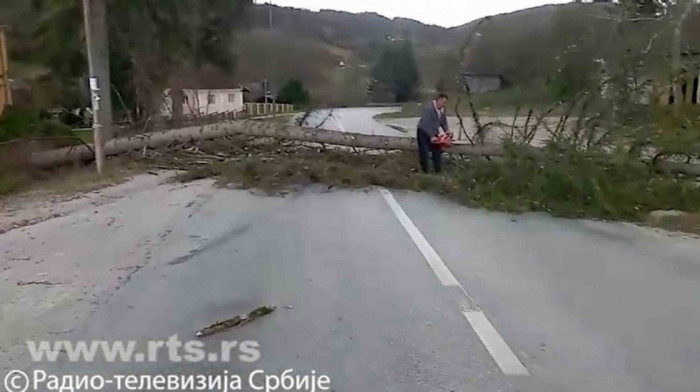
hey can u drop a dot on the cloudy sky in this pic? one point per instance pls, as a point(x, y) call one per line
point(446, 13)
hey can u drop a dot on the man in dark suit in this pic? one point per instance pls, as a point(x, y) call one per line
point(434, 117)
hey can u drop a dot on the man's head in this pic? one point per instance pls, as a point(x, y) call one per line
point(441, 101)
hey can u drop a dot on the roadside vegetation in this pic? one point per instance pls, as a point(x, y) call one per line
point(26, 123)
point(580, 185)
point(67, 180)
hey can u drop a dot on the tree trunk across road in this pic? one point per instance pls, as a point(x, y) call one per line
point(249, 128)
point(61, 156)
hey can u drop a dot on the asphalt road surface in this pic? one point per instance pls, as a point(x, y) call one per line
point(398, 291)
point(361, 120)
point(355, 120)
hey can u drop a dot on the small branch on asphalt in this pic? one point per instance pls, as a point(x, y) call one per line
point(237, 321)
point(38, 283)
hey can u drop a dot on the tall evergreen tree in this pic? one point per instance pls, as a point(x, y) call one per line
point(396, 71)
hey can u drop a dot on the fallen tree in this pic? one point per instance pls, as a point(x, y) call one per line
point(84, 153)
point(249, 128)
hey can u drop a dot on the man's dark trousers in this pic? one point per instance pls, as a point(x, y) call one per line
point(425, 148)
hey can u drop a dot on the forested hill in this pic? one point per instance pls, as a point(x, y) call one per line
point(311, 45)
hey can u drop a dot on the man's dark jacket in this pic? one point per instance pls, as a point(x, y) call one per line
point(431, 122)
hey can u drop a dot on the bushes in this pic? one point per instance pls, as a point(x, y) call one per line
point(576, 185)
point(18, 123)
point(293, 92)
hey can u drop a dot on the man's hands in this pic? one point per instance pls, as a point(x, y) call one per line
point(441, 132)
point(449, 133)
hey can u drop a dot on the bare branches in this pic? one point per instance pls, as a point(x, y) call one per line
point(329, 116)
point(304, 117)
point(461, 122)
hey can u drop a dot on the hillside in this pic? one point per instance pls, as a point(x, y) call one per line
point(332, 52)
point(311, 45)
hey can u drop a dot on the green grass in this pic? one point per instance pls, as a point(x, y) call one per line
point(86, 135)
point(69, 179)
point(17, 123)
point(11, 183)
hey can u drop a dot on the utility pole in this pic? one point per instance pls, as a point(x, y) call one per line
point(270, 3)
point(100, 86)
point(274, 99)
point(266, 82)
point(265, 92)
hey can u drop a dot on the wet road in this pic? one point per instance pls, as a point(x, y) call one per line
point(385, 291)
point(355, 120)
point(361, 120)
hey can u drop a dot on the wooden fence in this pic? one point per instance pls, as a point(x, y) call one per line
point(263, 109)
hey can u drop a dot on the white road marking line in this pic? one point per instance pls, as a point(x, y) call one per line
point(443, 273)
point(498, 348)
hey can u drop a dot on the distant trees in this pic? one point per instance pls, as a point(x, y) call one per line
point(605, 67)
point(152, 43)
point(293, 92)
point(350, 86)
point(396, 72)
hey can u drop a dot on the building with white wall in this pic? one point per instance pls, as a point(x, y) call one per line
point(482, 83)
point(204, 102)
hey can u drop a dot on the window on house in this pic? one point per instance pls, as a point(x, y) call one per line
point(232, 98)
point(211, 99)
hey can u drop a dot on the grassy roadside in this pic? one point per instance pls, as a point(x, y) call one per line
point(68, 180)
point(570, 185)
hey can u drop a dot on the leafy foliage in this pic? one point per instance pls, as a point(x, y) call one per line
point(293, 92)
point(152, 43)
point(17, 123)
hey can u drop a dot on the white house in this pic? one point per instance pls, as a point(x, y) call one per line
point(203, 102)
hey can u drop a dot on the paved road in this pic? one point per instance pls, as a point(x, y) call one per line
point(372, 289)
point(356, 120)
point(361, 120)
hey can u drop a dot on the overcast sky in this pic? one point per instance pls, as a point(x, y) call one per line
point(448, 13)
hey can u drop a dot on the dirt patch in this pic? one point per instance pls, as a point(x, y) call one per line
point(675, 221)
point(67, 180)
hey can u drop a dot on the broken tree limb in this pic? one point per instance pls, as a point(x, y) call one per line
point(82, 153)
point(38, 283)
point(237, 321)
point(249, 128)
